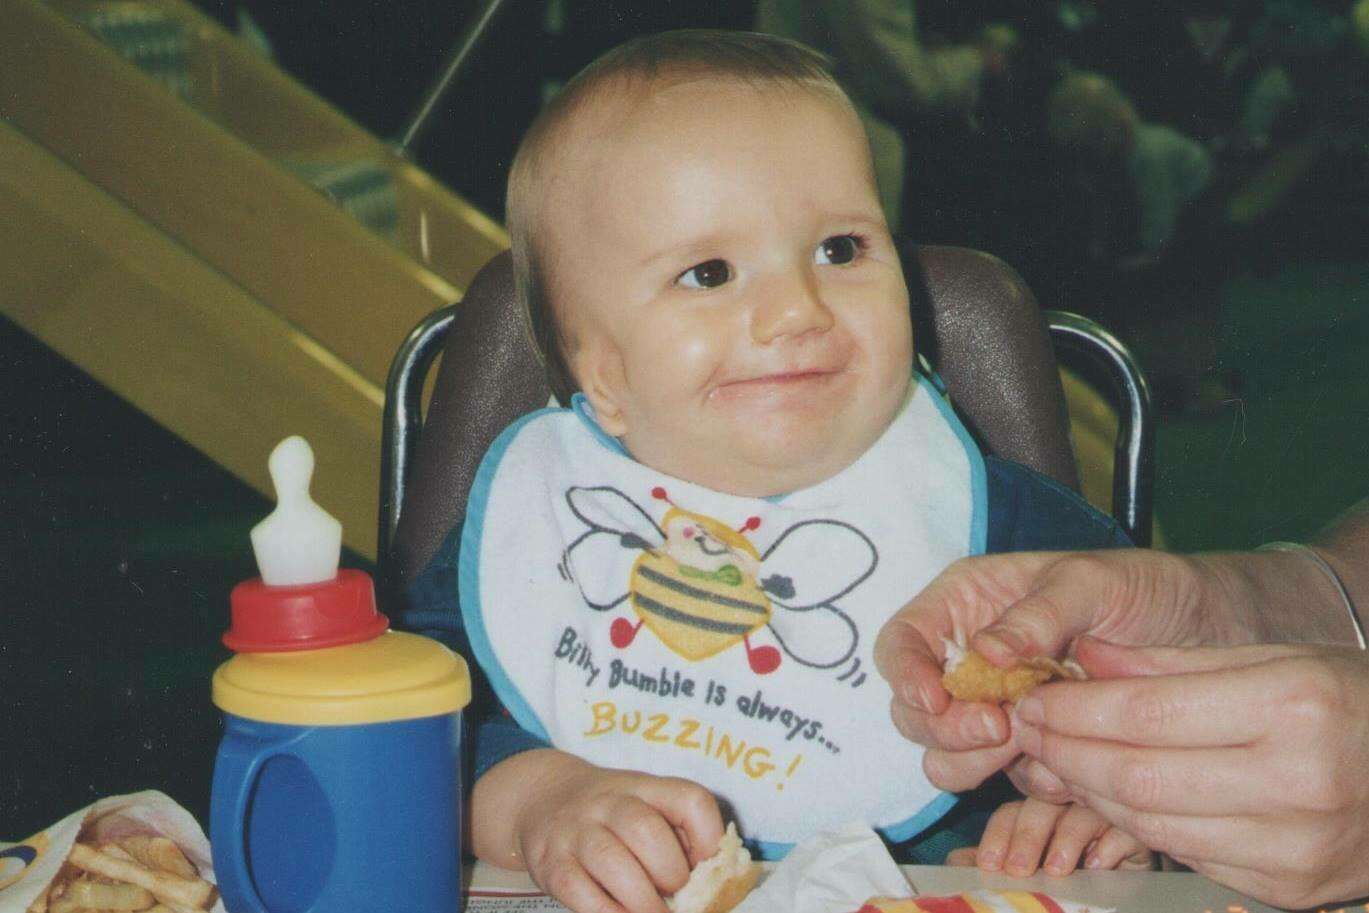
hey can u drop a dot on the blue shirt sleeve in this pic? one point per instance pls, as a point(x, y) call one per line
point(433, 610)
point(1032, 512)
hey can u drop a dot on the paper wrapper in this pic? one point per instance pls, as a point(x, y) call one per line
point(982, 901)
point(835, 872)
point(26, 868)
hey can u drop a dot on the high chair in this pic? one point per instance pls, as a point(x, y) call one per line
point(974, 320)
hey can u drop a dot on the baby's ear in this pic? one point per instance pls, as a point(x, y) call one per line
point(598, 365)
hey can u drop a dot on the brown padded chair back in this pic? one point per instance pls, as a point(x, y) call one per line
point(973, 318)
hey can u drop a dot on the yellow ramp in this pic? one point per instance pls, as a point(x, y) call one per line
point(192, 237)
point(188, 346)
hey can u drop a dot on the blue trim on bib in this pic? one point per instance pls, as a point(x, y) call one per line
point(979, 477)
point(468, 578)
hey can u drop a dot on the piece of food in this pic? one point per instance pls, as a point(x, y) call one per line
point(982, 901)
point(969, 676)
point(85, 894)
point(721, 881)
point(158, 853)
point(40, 903)
point(169, 880)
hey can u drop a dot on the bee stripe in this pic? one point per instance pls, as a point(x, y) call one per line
point(694, 621)
point(685, 589)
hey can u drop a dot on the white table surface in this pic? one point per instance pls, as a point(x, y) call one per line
point(1127, 892)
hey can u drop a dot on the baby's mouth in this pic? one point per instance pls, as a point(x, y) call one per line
point(780, 379)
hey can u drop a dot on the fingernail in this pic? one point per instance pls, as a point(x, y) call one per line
point(1044, 783)
point(1007, 638)
point(1030, 710)
point(1020, 862)
point(989, 859)
point(991, 728)
point(1093, 862)
point(913, 696)
point(1058, 864)
point(1029, 739)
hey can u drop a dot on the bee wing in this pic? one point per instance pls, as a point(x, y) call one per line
point(606, 509)
point(601, 567)
point(600, 560)
point(823, 638)
point(816, 562)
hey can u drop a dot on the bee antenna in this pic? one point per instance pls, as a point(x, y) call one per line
point(750, 524)
point(659, 494)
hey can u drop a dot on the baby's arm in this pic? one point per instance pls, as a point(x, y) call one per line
point(1020, 834)
point(598, 840)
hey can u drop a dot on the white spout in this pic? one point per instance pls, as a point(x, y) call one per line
point(298, 542)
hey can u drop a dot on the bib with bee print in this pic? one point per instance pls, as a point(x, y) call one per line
point(643, 622)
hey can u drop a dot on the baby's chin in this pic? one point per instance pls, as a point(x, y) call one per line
point(775, 460)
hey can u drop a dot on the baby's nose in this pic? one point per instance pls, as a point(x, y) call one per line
point(792, 309)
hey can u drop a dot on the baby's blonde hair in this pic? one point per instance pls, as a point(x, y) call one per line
point(744, 56)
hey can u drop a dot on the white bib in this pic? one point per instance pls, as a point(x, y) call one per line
point(643, 622)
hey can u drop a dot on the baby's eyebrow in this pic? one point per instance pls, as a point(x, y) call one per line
point(860, 220)
point(686, 249)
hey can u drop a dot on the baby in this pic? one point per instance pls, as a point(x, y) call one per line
point(674, 585)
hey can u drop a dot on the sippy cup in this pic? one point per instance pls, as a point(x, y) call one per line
point(337, 786)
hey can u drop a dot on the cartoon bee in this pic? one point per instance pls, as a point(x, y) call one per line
point(701, 586)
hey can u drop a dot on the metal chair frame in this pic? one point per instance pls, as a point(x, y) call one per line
point(1133, 459)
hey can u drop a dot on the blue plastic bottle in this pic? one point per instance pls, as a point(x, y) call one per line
point(337, 787)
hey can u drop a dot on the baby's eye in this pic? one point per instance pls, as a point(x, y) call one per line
point(709, 274)
point(838, 249)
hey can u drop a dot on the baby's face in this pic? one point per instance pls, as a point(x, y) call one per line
point(719, 259)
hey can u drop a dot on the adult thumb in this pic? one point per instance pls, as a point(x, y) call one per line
point(1060, 607)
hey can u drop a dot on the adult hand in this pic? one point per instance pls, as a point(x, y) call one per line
point(1247, 764)
point(1021, 605)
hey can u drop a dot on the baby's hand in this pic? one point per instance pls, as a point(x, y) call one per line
point(609, 841)
point(1019, 834)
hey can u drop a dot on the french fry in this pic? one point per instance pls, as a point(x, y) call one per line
point(95, 896)
point(118, 852)
point(159, 853)
point(40, 903)
point(169, 889)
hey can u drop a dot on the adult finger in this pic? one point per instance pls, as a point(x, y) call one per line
point(1195, 781)
point(965, 597)
point(911, 664)
point(1236, 841)
point(1032, 778)
point(688, 807)
point(1107, 660)
point(576, 889)
point(618, 871)
point(1068, 598)
point(653, 841)
point(1190, 710)
point(1273, 889)
point(961, 727)
point(1031, 832)
point(958, 771)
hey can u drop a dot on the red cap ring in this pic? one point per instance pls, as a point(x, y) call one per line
point(274, 619)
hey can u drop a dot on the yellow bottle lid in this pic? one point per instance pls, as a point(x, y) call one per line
point(395, 676)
